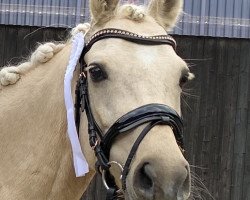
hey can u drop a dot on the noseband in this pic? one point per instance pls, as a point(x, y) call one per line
point(150, 115)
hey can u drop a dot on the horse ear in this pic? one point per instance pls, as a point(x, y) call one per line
point(165, 12)
point(102, 10)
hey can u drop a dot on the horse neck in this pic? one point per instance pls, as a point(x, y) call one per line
point(33, 130)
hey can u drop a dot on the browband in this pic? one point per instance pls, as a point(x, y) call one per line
point(129, 36)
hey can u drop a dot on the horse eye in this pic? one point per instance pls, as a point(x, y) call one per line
point(183, 80)
point(97, 73)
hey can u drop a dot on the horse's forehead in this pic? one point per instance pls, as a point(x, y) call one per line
point(147, 56)
point(112, 52)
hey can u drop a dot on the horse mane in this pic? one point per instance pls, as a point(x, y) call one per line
point(9, 75)
point(132, 12)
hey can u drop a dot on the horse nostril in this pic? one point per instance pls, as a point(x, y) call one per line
point(144, 179)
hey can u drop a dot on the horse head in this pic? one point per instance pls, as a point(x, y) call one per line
point(130, 72)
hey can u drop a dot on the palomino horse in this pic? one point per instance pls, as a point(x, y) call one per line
point(126, 72)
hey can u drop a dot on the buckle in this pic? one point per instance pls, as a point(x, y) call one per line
point(113, 192)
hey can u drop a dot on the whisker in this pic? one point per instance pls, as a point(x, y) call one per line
point(188, 89)
point(198, 59)
point(185, 94)
point(198, 187)
point(191, 65)
point(197, 167)
point(186, 103)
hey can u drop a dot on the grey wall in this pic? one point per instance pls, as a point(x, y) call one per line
point(55, 13)
point(219, 18)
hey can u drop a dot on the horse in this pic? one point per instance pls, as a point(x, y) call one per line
point(122, 75)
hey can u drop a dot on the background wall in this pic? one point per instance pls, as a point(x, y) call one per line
point(217, 18)
point(216, 109)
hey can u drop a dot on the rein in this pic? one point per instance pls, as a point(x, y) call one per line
point(151, 114)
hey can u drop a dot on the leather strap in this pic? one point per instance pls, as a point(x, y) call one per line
point(142, 115)
point(135, 146)
point(133, 151)
point(129, 36)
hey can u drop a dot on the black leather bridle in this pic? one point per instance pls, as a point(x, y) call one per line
point(151, 114)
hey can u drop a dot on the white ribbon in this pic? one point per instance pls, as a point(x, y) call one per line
point(80, 163)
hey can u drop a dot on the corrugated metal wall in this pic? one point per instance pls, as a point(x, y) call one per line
point(59, 13)
point(220, 18)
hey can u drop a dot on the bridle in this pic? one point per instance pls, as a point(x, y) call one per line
point(151, 114)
